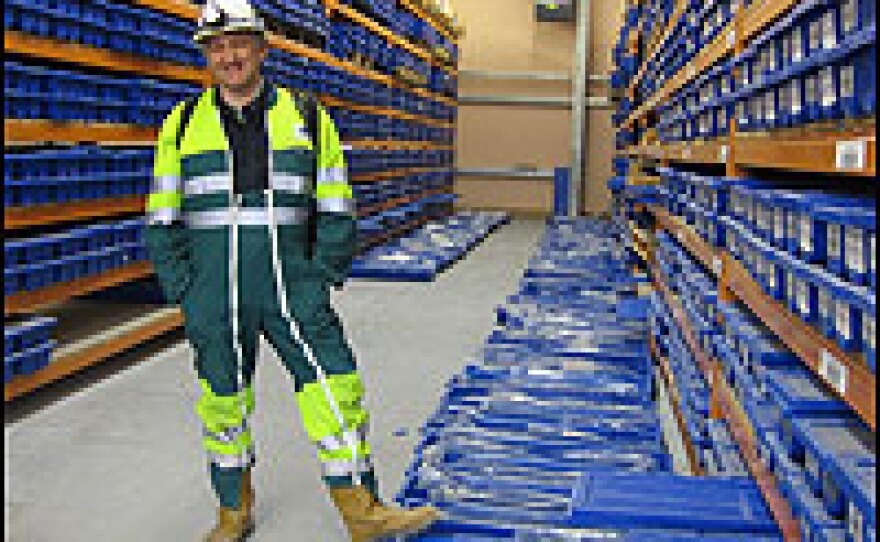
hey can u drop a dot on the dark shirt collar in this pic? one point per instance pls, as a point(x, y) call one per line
point(258, 106)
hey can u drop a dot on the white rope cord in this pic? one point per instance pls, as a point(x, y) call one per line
point(295, 331)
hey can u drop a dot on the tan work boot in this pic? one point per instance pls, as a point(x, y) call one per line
point(232, 526)
point(368, 519)
point(236, 525)
point(247, 494)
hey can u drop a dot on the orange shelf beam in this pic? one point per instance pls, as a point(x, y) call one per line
point(736, 418)
point(65, 51)
point(416, 10)
point(390, 174)
point(394, 144)
point(57, 213)
point(817, 152)
point(391, 37)
point(64, 366)
point(805, 341)
point(191, 12)
point(30, 302)
point(37, 131)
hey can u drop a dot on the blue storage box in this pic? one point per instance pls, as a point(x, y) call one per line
point(867, 301)
point(796, 393)
point(826, 443)
point(842, 224)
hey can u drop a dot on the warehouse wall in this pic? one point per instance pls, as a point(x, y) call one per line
point(503, 35)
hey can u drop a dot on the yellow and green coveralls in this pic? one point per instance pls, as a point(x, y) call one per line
point(238, 266)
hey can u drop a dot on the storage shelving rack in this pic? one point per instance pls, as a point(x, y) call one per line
point(844, 149)
point(20, 133)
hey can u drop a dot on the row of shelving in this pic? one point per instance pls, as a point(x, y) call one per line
point(767, 282)
point(426, 252)
point(124, 76)
point(792, 64)
point(812, 454)
point(845, 152)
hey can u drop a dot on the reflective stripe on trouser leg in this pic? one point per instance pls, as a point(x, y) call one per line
point(226, 434)
point(281, 290)
point(236, 324)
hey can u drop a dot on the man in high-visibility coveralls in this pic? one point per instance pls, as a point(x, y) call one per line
point(228, 234)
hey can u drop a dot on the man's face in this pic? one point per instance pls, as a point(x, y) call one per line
point(234, 60)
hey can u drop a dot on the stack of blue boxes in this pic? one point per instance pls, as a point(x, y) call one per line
point(35, 263)
point(822, 455)
point(814, 64)
point(78, 173)
point(814, 252)
point(552, 432)
point(696, 290)
point(428, 251)
point(28, 346)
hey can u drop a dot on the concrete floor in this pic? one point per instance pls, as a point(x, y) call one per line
point(117, 458)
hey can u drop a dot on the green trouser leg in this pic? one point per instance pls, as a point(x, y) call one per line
point(207, 308)
point(222, 407)
point(308, 299)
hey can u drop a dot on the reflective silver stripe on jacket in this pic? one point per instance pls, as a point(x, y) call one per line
point(336, 205)
point(331, 175)
point(164, 216)
point(207, 184)
point(166, 183)
point(289, 183)
point(346, 467)
point(333, 443)
point(212, 184)
point(247, 216)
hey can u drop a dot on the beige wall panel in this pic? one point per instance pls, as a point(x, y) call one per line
point(490, 136)
point(515, 195)
point(599, 167)
point(503, 35)
point(469, 86)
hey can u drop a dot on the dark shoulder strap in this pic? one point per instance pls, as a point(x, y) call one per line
point(307, 104)
point(188, 107)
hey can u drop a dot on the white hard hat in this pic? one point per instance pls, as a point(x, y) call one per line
point(222, 16)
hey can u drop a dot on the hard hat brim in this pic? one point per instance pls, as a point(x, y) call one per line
point(245, 27)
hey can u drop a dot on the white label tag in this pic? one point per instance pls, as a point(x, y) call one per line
point(854, 522)
point(829, 30)
point(833, 235)
point(806, 233)
point(797, 45)
point(829, 94)
point(849, 11)
point(731, 38)
point(834, 372)
point(843, 320)
point(872, 243)
point(855, 254)
point(779, 224)
point(769, 106)
point(796, 97)
point(811, 84)
point(717, 265)
point(771, 276)
point(793, 221)
point(824, 304)
point(803, 297)
point(724, 151)
point(851, 154)
point(815, 35)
